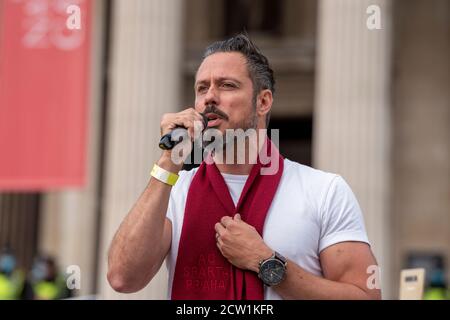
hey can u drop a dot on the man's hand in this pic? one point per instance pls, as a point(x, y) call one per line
point(193, 122)
point(240, 243)
point(189, 118)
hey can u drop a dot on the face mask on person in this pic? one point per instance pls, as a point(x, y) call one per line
point(7, 263)
point(39, 271)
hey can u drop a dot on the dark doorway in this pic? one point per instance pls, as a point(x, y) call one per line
point(19, 214)
point(254, 16)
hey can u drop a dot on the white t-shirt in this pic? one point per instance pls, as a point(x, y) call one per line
point(235, 184)
point(311, 211)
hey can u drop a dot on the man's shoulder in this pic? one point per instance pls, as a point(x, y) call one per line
point(307, 174)
point(315, 185)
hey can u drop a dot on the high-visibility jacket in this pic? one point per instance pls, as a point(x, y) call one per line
point(436, 293)
point(11, 287)
point(50, 290)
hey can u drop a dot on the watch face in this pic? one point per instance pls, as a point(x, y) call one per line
point(272, 272)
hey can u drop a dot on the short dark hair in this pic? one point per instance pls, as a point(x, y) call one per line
point(258, 66)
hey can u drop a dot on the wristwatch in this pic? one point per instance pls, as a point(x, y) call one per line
point(272, 270)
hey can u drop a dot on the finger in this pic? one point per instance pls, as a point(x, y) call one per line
point(185, 120)
point(166, 122)
point(189, 124)
point(220, 229)
point(195, 115)
point(199, 117)
point(237, 217)
point(219, 245)
point(195, 127)
point(198, 128)
point(226, 220)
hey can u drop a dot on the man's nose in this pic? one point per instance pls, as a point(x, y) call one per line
point(211, 96)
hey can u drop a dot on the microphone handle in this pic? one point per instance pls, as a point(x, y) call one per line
point(166, 142)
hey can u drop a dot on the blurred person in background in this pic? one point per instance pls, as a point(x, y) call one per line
point(437, 289)
point(45, 282)
point(12, 279)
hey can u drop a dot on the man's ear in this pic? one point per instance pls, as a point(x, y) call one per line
point(264, 102)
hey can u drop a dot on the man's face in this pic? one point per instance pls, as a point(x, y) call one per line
point(223, 88)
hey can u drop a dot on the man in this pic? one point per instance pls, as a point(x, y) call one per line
point(227, 230)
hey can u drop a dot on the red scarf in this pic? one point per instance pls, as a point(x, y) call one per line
point(201, 272)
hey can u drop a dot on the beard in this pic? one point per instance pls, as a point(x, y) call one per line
point(246, 124)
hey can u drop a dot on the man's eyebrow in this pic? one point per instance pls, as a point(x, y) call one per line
point(220, 79)
point(201, 82)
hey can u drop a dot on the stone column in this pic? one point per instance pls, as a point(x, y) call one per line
point(352, 111)
point(421, 135)
point(145, 78)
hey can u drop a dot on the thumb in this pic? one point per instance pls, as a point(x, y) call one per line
point(237, 216)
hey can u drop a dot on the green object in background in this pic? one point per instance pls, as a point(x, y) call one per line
point(436, 294)
point(50, 290)
point(7, 291)
point(46, 290)
point(11, 286)
point(438, 288)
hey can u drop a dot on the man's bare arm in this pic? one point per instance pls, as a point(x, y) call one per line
point(143, 239)
point(344, 268)
point(344, 265)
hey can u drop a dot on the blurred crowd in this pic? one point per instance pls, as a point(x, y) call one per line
point(42, 282)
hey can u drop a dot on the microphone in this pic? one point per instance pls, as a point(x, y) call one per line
point(166, 142)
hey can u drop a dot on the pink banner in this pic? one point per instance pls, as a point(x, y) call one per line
point(44, 93)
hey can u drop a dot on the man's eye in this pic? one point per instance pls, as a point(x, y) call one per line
point(229, 85)
point(201, 89)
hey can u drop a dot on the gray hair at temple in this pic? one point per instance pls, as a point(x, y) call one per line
point(258, 65)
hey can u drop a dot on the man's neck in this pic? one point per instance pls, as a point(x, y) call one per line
point(240, 169)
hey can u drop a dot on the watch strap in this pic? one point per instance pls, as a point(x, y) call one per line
point(278, 256)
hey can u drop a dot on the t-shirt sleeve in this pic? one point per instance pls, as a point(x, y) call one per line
point(176, 194)
point(341, 216)
point(170, 207)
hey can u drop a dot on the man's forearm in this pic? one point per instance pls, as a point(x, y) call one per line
point(300, 284)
